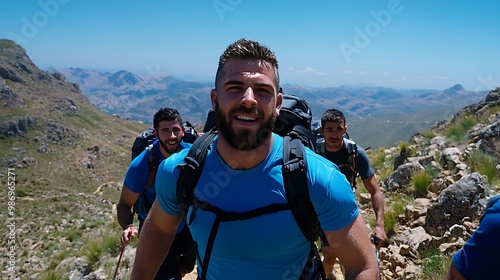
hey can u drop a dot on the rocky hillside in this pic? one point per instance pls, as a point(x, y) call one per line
point(63, 163)
point(459, 162)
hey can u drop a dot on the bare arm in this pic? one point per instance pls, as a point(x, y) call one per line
point(354, 250)
point(453, 274)
point(125, 216)
point(124, 207)
point(157, 235)
point(377, 197)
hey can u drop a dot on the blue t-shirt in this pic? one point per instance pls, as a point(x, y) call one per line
point(479, 257)
point(270, 246)
point(138, 173)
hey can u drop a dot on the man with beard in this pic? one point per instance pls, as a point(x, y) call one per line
point(333, 128)
point(243, 172)
point(168, 129)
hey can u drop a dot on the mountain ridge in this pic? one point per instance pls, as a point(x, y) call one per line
point(138, 97)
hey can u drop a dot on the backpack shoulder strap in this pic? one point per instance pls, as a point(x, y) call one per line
point(306, 135)
point(352, 154)
point(352, 151)
point(297, 194)
point(153, 166)
point(296, 187)
point(190, 172)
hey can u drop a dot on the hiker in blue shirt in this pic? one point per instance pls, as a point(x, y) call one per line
point(169, 131)
point(479, 257)
point(243, 171)
point(352, 161)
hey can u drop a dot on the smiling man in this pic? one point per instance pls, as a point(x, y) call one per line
point(243, 174)
point(167, 123)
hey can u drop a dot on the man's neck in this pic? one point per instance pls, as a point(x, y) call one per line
point(166, 154)
point(242, 160)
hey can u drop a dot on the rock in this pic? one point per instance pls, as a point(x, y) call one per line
point(401, 178)
point(457, 201)
point(413, 237)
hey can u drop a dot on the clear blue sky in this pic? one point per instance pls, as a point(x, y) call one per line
point(402, 44)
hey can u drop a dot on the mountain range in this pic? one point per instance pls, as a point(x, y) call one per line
point(376, 116)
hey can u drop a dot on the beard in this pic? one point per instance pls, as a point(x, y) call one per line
point(244, 139)
point(171, 149)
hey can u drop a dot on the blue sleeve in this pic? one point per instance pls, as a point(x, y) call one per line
point(478, 259)
point(135, 178)
point(363, 165)
point(166, 179)
point(331, 194)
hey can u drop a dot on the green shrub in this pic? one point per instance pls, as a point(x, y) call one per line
point(434, 265)
point(428, 135)
point(74, 235)
point(390, 222)
point(457, 131)
point(421, 182)
point(100, 245)
point(51, 275)
point(485, 164)
point(377, 157)
point(93, 251)
point(381, 162)
point(392, 212)
point(403, 146)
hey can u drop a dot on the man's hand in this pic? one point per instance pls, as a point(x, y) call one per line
point(127, 235)
point(380, 235)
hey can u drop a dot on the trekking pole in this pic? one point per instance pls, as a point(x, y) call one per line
point(118, 264)
point(120, 257)
point(376, 241)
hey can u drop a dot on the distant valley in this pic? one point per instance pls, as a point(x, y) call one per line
point(376, 116)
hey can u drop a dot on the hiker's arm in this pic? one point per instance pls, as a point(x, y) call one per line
point(377, 197)
point(124, 207)
point(453, 274)
point(352, 246)
point(157, 235)
point(125, 215)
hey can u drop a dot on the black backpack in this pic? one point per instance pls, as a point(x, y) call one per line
point(295, 184)
point(144, 141)
point(295, 115)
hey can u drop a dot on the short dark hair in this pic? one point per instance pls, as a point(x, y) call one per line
point(332, 115)
point(166, 114)
point(247, 49)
